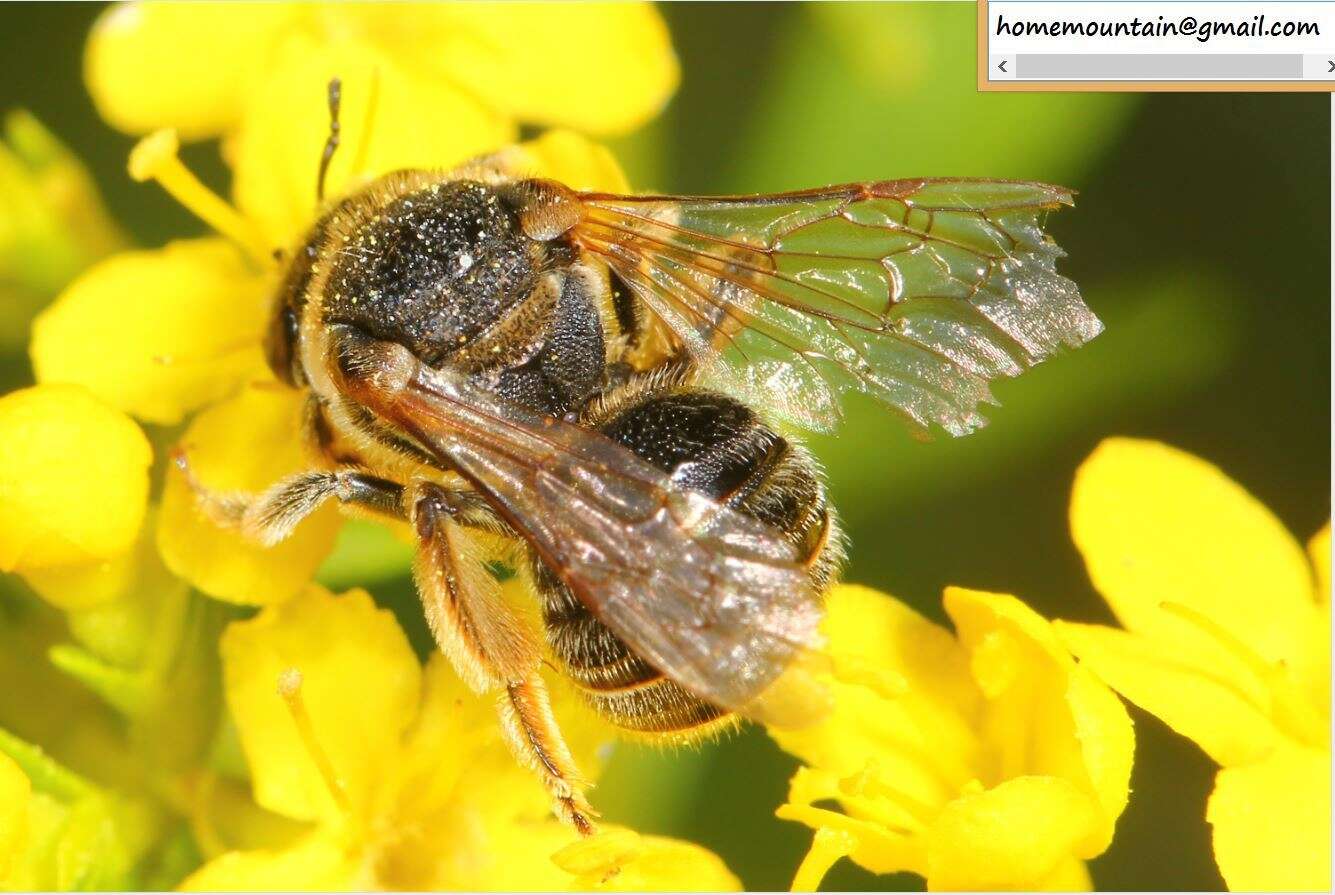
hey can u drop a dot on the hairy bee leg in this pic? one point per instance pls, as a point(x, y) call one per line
point(489, 645)
point(475, 628)
point(535, 738)
point(270, 517)
point(276, 512)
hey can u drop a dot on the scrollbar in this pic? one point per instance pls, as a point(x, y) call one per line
point(1158, 66)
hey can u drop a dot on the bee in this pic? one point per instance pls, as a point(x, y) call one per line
point(611, 384)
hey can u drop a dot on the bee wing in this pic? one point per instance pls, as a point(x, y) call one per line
point(916, 292)
point(712, 598)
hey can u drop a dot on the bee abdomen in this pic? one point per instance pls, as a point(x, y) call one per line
point(617, 684)
point(715, 445)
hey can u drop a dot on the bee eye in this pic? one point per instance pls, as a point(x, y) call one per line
point(280, 347)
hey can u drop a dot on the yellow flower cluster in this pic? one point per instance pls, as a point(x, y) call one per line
point(304, 745)
point(983, 759)
point(400, 771)
point(367, 770)
point(991, 760)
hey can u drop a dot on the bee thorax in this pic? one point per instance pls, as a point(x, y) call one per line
point(430, 269)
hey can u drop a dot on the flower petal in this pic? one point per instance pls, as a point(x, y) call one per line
point(468, 845)
point(918, 737)
point(157, 333)
point(618, 860)
point(1070, 875)
point(1107, 741)
point(499, 854)
point(598, 67)
point(457, 782)
point(875, 847)
point(828, 846)
point(359, 684)
point(1319, 550)
point(1193, 700)
point(179, 65)
point(572, 159)
point(1272, 822)
point(1157, 525)
point(1311, 669)
point(73, 479)
point(315, 863)
point(15, 791)
point(457, 736)
point(391, 119)
point(87, 585)
point(1013, 836)
point(456, 757)
point(245, 444)
point(1044, 714)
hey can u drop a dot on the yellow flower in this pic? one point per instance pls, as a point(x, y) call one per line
point(245, 444)
point(52, 222)
point(73, 491)
point(986, 759)
point(198, 312)
point(600, 67)
point(1227, 640)
point(442, 82)
point(618, 860)
point(400, 772)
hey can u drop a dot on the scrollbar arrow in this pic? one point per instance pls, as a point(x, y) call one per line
point(1001, 66)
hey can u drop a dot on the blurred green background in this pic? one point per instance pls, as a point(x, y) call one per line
point(1201, 236)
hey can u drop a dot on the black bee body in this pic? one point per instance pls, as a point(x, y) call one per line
point(446, 269)
point(486, 355)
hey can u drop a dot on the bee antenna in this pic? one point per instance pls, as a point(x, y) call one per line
point(330, 143)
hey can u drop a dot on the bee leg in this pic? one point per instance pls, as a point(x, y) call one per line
point(491, 647)
point(534, 737)
point(276, 512)
point(270, 517)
